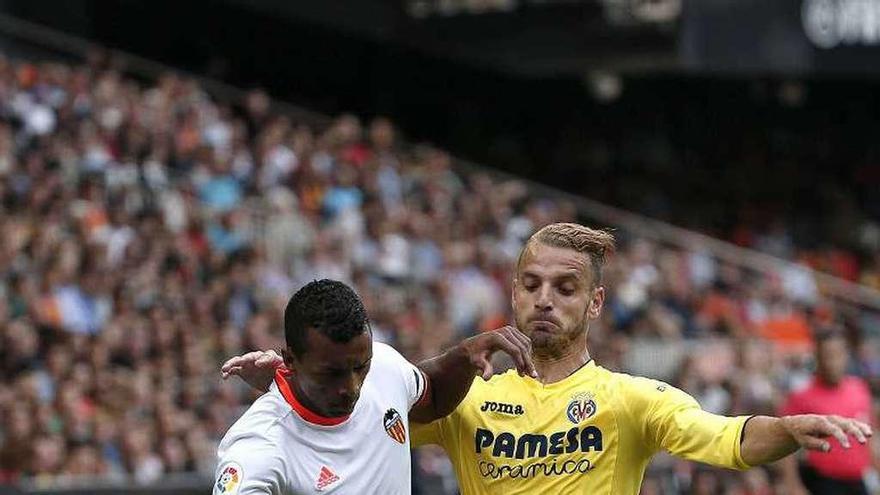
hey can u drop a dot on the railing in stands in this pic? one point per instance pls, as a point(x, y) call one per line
point(659, 231)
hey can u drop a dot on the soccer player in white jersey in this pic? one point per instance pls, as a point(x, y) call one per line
point(336, 415)
point(579, 428)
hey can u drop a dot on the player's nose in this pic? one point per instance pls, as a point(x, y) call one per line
point(348, 391)
point(544, 299)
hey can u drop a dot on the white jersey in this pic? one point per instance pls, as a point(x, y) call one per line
point(279, 447)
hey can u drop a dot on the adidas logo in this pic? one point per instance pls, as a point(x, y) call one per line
point(326, 478)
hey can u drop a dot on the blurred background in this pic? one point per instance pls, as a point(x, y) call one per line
point(171, 172)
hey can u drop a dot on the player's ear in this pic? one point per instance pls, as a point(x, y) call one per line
point(596, 301)
point(513, 294)
point(289, 358)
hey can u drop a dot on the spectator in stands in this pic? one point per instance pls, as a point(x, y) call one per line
point(837, 472)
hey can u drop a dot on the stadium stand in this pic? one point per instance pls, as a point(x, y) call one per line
point(149, 230)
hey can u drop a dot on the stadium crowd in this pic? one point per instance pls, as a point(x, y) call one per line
point(148, 232)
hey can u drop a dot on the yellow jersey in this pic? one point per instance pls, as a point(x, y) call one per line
point(592, 433)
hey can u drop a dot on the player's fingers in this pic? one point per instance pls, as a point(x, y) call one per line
point(814, 443)
point(486, 369)
point(240, 360)
point(850, 427)
point(225, 367)
point(526, 345)
point(269, 359)
point(521, 338)
point(865, 428)
point(516, 350)
point(828, 428)
point(232, 371)
point(516, 333)
point(229, 364)
point(530, 365)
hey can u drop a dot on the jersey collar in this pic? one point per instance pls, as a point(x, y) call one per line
point(587, 367)
point(310, 416)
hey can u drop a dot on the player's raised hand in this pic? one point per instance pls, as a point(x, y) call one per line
point(812, 431)
point(256, 368)
point(506, 339)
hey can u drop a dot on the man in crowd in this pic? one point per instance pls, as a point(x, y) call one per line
point(830, 392)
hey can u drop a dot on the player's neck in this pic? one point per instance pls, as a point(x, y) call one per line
point(302, 398)
point(555, 368)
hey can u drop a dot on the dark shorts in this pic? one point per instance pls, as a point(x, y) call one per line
point(817, 484)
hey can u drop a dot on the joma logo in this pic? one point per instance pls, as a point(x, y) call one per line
point(500, 407)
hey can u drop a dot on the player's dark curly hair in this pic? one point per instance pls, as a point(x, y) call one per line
point(328, 306)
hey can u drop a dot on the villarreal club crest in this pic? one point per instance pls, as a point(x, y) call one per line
point(581, 407)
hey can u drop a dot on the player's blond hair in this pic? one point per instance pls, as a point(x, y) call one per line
point(596, 244)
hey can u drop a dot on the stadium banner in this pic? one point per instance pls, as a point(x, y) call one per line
point(781, 37)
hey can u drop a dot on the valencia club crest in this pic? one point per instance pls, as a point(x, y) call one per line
point(394, 426)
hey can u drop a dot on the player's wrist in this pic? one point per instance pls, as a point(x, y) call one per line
point(463, 354)
point(789, 426)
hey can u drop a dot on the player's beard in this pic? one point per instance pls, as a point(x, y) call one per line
point(552, 345)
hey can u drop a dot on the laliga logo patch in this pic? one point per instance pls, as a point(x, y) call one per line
point(581, 407)
point(229, 480)
point(394, 426)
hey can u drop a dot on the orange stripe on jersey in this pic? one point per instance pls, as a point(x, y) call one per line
point(281, 375)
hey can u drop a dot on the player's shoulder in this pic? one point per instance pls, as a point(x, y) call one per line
point(384, 353)
point(260, 425)
point(387, 359)
point(389, 368)
point(641, 391)
point(614, 381)
point(635, 382)
point(250, 454)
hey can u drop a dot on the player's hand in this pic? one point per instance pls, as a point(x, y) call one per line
point(256, 368)
point(811, 431)
point(508, 339)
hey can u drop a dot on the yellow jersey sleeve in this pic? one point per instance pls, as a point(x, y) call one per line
point(425, 434)
point(674, 422)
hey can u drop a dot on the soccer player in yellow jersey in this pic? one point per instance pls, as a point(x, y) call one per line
point(579, 428)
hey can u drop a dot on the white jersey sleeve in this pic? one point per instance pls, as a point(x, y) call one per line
point(250, 460)
point(249, 467)
point(415, 382)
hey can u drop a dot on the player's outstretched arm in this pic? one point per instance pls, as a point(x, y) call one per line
point(767, 439)
point(450, 374)
point(256, 368)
